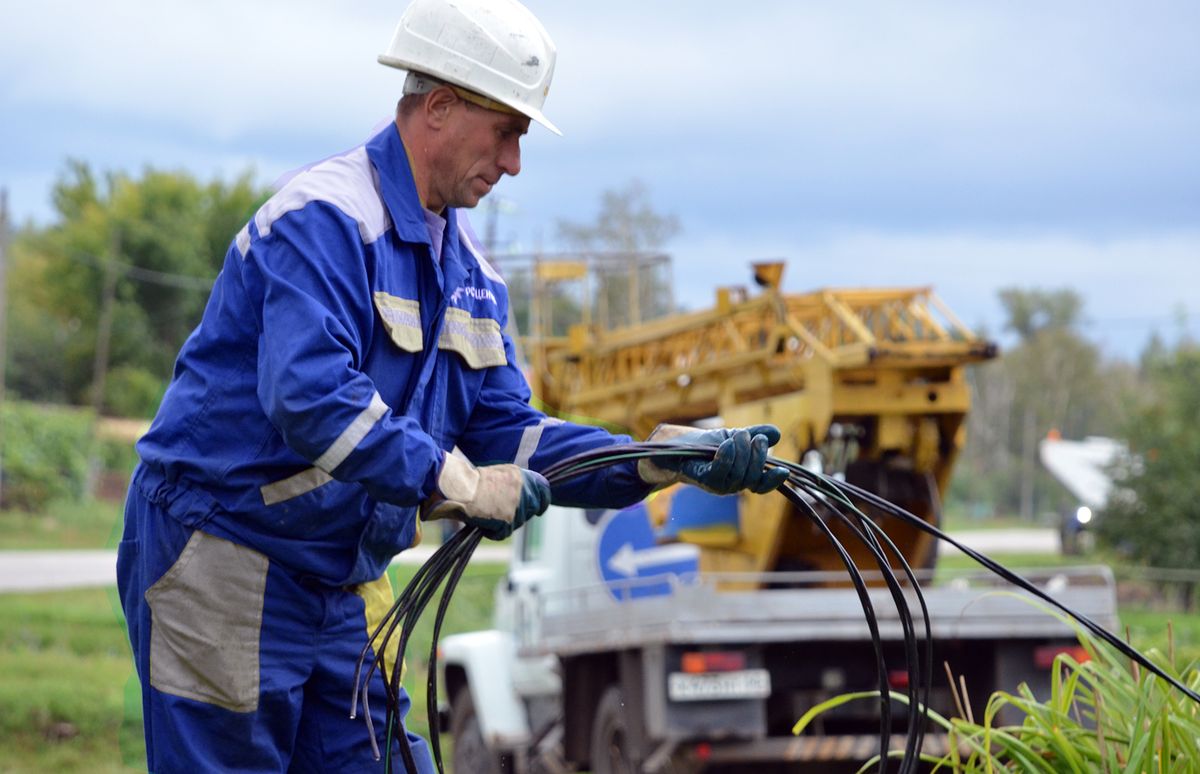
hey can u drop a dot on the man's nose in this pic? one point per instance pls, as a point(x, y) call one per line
point(510, 158)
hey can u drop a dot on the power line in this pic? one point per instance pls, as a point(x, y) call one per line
point(149, 276)
point(183, 281)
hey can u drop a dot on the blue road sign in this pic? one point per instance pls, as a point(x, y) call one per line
point(629, 558)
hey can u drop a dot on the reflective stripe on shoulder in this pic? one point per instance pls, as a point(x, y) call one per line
point(477, 339)
point(243, 240)
point(347, 182)
point(530, 438)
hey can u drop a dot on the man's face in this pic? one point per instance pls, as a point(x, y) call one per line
point(481, 146)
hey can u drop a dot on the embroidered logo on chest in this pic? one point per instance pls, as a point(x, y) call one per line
point(478, 294)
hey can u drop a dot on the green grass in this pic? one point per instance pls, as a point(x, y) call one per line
point(64, 525)
point(68, 700)
point(1148, 629)
point(957, 561)
point(956, 521)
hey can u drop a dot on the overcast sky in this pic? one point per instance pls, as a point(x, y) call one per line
point(970, 146)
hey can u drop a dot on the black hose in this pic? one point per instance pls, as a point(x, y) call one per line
point(913, 664)
point(456, 574)
point(864, 598)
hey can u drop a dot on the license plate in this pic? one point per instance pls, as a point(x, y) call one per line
point(742, 684)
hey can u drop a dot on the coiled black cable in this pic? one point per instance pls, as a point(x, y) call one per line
point(815, 496)
point(864, 597)
point(449, 560)
point(920, 673)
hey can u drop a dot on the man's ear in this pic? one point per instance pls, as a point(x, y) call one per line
point(437, 106)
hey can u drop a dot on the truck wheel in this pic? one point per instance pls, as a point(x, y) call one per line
point(471, 753)
point(610, 737)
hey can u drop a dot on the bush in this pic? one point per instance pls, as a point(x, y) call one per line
point(132, 392)
point(46, 452)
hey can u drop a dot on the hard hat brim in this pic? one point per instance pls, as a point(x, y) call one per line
point(525, 110)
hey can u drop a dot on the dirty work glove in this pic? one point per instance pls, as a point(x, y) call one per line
point(498, 498)
point(740, 461)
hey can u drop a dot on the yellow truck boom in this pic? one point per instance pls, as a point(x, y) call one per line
point(871, 380)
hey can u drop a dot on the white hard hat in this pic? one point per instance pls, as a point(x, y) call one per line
point(496, 48)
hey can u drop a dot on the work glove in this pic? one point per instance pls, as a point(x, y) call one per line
point(497, 498)
point(740, 461)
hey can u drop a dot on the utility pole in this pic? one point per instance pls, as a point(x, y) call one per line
point(100, 364)
point(104, 325)
point(3, 318)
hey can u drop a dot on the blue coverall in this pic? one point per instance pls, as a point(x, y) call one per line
point(337, 361)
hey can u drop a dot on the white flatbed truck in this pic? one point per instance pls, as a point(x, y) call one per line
point(610, 653)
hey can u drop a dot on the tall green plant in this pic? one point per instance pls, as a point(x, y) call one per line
point(1103, 714)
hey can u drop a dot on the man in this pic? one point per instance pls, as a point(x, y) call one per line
point(353, 339)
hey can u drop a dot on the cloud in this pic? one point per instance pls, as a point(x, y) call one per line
point(221, 69)
point(933, 138)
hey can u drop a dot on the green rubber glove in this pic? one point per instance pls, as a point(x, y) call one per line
point(740, 461)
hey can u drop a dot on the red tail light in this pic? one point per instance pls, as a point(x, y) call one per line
point(713, 661)
point(1043, 656)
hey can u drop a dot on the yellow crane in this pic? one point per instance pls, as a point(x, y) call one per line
point(871, 380)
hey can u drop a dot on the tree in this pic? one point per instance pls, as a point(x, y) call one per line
point(626, 228)
point(157, 242)
point(1052, 378)
point(1154, 515)
point(560, 304)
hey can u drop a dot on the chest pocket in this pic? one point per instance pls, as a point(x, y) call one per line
point(402, 318)
point(476, 339)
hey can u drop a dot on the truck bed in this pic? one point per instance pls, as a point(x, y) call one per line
point(803, 607)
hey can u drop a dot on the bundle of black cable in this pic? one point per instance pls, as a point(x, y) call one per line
point(815, 496)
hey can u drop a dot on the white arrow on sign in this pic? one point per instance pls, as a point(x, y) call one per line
point(628, 560)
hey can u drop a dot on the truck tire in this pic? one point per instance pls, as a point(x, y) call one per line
point(609, 750)
point(471, 753)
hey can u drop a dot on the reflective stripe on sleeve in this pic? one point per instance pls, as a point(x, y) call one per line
point(350, 438)
point(307, 480)
point(530, 439)
point(293, 486)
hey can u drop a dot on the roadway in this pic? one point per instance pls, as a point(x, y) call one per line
point(26, 571)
